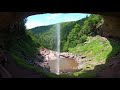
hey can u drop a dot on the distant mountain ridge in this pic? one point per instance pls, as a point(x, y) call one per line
point(42, 29)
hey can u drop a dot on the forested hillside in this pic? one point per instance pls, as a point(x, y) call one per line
point(82, 38)
point(72, 33)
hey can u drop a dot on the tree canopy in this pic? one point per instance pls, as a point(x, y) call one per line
point(72, 33)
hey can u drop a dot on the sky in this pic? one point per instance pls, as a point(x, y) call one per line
point(48, 19)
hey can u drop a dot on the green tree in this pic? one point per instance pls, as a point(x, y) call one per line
point(73, 36)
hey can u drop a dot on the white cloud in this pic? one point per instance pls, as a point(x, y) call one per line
point(48, 19)
point(53, 16)
point(71, 19)
point(34, 24)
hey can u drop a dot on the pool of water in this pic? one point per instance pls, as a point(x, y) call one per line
point(65, 65)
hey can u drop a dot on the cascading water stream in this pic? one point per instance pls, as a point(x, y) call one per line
point(61, 64)
point(58, 49)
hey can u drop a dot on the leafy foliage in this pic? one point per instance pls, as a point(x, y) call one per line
point(76, 37)
point(72, 33)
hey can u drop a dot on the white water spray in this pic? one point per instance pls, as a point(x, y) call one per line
point(58, 49)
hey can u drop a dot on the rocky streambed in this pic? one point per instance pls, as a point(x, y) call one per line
point(68, 62)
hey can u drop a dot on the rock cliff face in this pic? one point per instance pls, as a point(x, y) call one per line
point(111, 21)
point(111, 26)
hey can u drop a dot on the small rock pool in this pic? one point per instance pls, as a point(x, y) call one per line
point(66, 65)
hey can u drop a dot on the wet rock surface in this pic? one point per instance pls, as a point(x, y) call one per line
point(68, 62)
point(112, 69)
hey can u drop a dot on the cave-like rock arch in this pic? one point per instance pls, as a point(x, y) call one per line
point(111, 20)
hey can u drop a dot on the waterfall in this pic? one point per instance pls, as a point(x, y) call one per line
point(58, 48)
